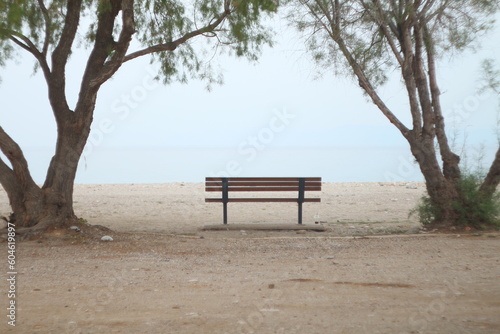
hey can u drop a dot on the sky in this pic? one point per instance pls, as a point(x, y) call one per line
point(279, 117)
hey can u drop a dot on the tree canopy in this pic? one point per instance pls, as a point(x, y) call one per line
point(373, 30)
point(158, 27)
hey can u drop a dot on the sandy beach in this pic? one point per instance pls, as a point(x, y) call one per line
point(372, 271)
point(181, 207)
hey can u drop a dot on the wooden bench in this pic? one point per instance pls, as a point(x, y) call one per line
point(225, 185)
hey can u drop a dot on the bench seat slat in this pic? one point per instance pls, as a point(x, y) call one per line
point(263, 188)
point(261, 183)
point(267, 179)
point(251, 200)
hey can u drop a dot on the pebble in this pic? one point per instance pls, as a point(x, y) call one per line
point(106, 238)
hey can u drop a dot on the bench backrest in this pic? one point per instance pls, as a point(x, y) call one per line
point(223, 184)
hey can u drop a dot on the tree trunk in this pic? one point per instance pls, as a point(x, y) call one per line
point(492, 179)
point(442, 191)
point(50, 206)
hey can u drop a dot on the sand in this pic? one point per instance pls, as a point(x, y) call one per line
point(180, 207)
point(372, 271)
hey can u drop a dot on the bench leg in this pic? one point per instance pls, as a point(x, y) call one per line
point(225, 213)
point(300, 213)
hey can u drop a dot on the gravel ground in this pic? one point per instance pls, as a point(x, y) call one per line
point(369, 273)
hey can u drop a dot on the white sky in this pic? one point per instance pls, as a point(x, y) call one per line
point(269, 119)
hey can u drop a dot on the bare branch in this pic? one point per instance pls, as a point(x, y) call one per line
point(60, 56)
point(47, 27)
point(16, 157)
point(25, 43)
point(121, 46)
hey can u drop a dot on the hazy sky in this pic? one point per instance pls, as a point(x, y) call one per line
point(273, 118)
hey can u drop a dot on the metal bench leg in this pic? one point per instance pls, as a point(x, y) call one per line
point(225, 212)
point(225, 196)
point(302, 189)
point(300, 213)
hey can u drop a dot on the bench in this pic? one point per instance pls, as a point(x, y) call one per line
point(225, 185)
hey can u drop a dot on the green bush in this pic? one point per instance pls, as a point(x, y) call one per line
point(426, 211)
point(473, 209)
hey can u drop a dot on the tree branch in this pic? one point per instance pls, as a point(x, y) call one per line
point(25, 43)
point(16, 157)
point(426, 106)
point(384, 22)
point(48, 31)
point(363, 81)
point(107, 55)
point(171, 46)
point(492, 179)
point(450, 159)
point(101, 70)
point(60, 56)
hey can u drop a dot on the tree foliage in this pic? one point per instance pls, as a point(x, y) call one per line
point(372, 30)
point(160, 27)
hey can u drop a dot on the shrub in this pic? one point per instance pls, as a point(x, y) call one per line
point(474, 209)
point(426, 211)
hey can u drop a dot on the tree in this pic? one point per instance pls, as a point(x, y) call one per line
point(370, 38)
point(492, 83)
point(49, 30)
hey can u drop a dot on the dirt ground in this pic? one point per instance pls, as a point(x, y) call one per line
point(372, 271)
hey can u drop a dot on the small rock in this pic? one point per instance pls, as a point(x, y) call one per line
point(75, 228)
point(106, 238)
point(271, 286)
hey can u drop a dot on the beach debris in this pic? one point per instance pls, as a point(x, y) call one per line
point(106, 238)
point(75, 228)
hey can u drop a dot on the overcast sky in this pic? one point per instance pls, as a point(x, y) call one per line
point(272, 118)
